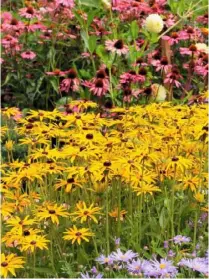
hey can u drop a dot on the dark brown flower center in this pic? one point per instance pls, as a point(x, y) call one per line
point(51, 211)
point(101, 74)
point(4, 264)
point(33, 242)
point(26, 233)
point(192, 48)
point(99, 83)
point(78, 234)
point(142, 71)
point(107, 164)
point(174, 35)
point(29, 126)
point(157, 56)
point(30, 10)
point(164, 61)
point(72, 74)
point(190, 30)
point(148, 90)
point(118, 44)
point(139, 60)
point(71, 180)
point(175, 159)
point(14, 21)
point(127, 92)
point(89, 136)
point(86, 212)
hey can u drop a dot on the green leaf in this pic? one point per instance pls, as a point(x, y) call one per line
point(134, 29)
point(46, 270)
point(84, 36)
point(8, 77)
point(90, 3)
point(92, 42)
point(55, 84)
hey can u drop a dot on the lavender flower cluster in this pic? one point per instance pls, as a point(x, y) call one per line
point(129, 262)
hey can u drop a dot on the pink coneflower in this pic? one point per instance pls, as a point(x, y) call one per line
point(140, 62)
point(169, 20)
point(56, 72)
point(66, 3)
point(9, 41)
point(116, 46)
point(128, 93)
point(202, 19)
point(162, 64)
point(98, 88)
point(190, 33)
point(71, 83)
point(131, 76)
point(188, 51)
point(99, 27)
point(201, 70)
point(101, 74)
point(30, 55)
point(6, 16)
point(12, 25)
point(29, 13)
point(35, 26)
point(173, 38)
point(173, 77)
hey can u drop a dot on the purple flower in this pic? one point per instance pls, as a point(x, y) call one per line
point(102, 259)
point(160, 269)
point(179, 239)
point(87, 276)
point(166, 244)
point(171, 254)
point(123, 257)
point(136, 266)
point(197, 264)
point(117, 241)
point(94, 270)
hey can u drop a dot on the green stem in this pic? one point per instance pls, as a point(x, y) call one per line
point(195, 229)
point(140, 218)
point(107, 224)
point(119, 209)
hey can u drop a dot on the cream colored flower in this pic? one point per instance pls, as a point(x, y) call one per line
point(106, 4)
point(202, 47)
point(154, 23)
point(158, 92)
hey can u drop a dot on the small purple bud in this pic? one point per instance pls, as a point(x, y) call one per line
point(94, 270)
point(117, 241)
point(166, 244)
point(171, 254)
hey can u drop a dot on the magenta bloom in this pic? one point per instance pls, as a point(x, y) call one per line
point(99, 87)
point(29, 13)
point(66, 3)
point(162, 64)
point(71, 83)
point(173, 77)
point(130, 77)
point(116, 46)
point(30, 55)
point(12, 25)
point(56, 72)
point(174, 38)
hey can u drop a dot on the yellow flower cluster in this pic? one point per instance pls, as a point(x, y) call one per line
point(73, 159)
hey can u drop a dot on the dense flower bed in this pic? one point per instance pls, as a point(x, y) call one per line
point(83, 180)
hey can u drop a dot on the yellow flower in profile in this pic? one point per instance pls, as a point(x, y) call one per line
point(75, 234)
point(199, 197)
point(51, 211)
point(18, 223)
point(9, 145)
point(33, 242)
point(146, 189)
point(85, 212)
point(115, 214)
point(9, 263)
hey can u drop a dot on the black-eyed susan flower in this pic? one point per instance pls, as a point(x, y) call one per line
point(85, 213)
point(115, 213)
point(144, 188)
point(75, 234)
point(9, 263)
point(33, 242)
point(51, 211)
point(18, 224)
